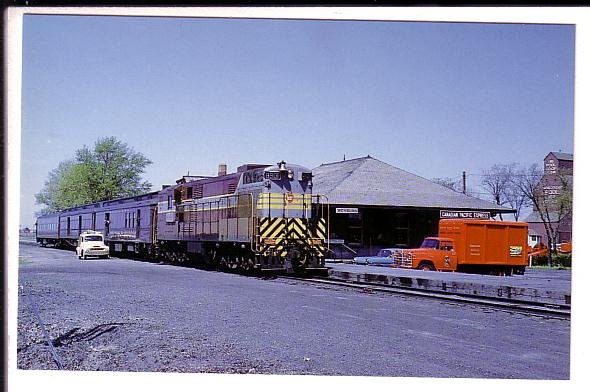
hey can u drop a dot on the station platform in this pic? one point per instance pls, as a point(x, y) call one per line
point(545, 287)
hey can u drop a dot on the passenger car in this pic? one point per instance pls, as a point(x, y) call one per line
point(384, 258)
point(91, 243)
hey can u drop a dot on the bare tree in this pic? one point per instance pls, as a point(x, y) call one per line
point(515, 199)
point(496, 180)
point(551, 197)
point(499, 182)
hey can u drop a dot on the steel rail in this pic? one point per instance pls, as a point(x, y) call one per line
point(511, 304)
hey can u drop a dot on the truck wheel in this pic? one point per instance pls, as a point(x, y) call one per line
point(519, 271)
point(426, 266)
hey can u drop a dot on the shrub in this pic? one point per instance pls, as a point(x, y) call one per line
point(540, 260)
point(563, 261)
point(559, 260)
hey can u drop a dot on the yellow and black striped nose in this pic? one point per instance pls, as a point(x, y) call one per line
point(276, 234)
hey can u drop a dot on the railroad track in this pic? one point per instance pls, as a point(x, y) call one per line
point(558, 311)
point(561, 312)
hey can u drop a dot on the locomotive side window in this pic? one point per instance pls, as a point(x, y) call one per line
point(244, 206)
point(177, 195)
point(231, 207)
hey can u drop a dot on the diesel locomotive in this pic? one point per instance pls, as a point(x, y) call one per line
point(261, 218)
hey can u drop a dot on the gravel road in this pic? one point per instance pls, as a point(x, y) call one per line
point(126, 315)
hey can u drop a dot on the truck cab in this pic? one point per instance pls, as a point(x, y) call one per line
point(435, 254)
point(91, 243)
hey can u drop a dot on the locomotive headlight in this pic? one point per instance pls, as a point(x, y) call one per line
point(290, 174)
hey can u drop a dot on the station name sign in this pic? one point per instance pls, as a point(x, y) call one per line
point(347, 210)
point(464, 214)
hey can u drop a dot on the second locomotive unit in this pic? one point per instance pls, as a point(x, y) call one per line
point(260, 218)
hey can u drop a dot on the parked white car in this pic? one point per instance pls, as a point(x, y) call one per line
point(91, 243)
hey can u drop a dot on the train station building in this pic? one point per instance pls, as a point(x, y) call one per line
point(374, 205)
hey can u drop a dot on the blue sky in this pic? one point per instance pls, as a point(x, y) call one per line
point(431, 98)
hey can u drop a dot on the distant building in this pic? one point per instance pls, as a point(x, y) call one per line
point(557, 165)
point(375, 205)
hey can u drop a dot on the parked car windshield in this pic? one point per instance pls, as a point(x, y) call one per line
point(429, 243)
point(93, 238)
point(384, 253)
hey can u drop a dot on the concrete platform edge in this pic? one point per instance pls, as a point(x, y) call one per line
point(538, 296)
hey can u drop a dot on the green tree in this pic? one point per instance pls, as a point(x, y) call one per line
point(50, 194)
point(110, 170)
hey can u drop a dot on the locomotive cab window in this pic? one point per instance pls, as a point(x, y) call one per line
point(305, 176)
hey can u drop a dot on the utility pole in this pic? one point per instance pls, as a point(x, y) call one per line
point(464, 183)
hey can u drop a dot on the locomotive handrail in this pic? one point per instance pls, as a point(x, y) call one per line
point(254, 226)
point(318, 195)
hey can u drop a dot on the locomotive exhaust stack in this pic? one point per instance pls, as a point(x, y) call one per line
point(222, 169)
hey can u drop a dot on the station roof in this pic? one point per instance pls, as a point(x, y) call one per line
point(535, 217)
point(369, 182)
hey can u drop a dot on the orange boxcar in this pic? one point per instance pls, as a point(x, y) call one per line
point(482, 246)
